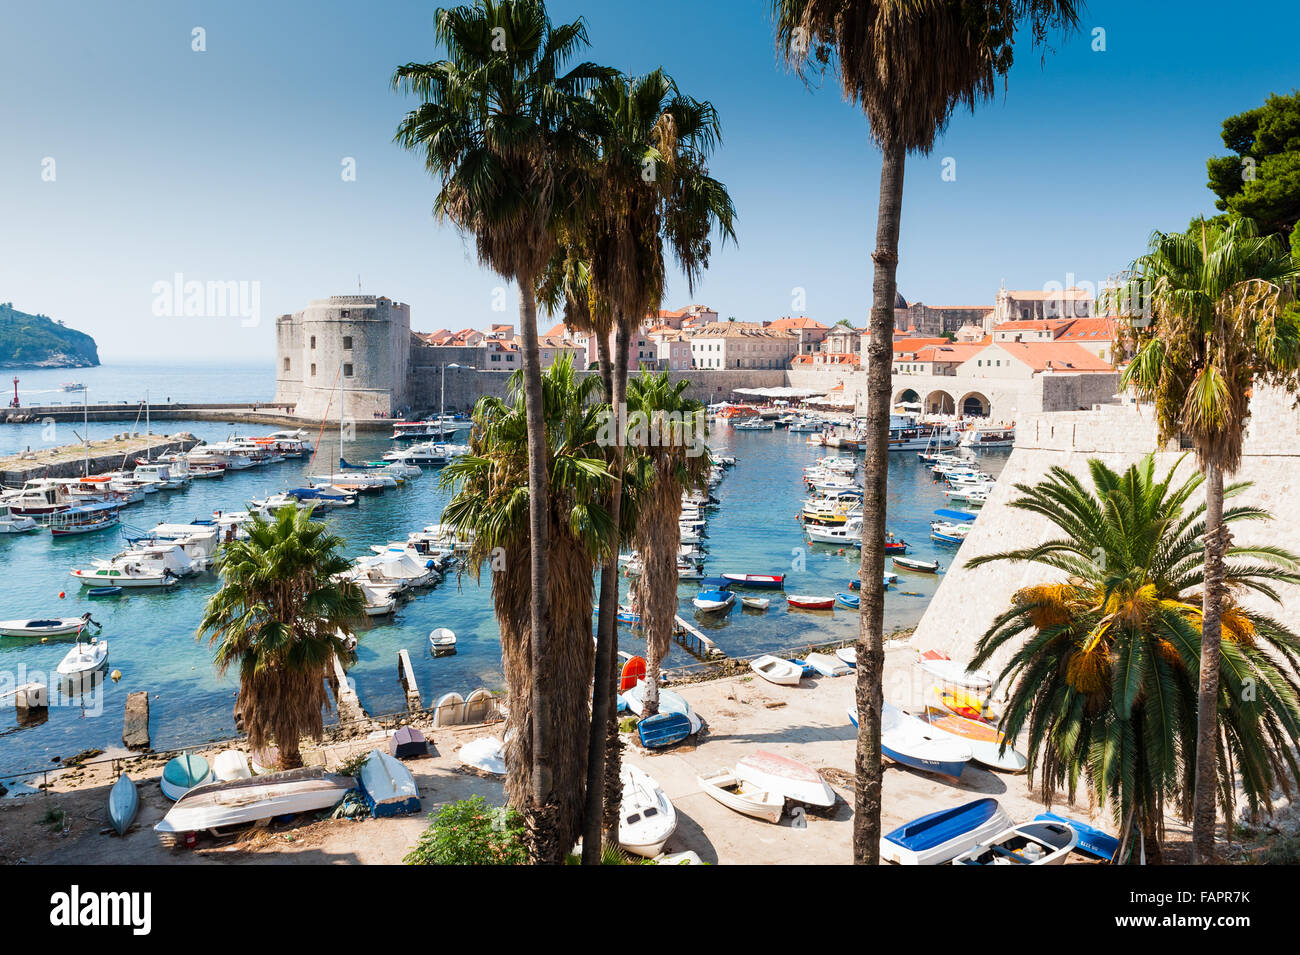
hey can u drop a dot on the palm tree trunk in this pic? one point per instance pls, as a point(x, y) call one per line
point(602, 702)
point(1207, 714)
point(613, 744)
point(871, 641)
point(541, 813)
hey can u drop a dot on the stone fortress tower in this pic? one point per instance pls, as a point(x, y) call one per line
point(361, 342)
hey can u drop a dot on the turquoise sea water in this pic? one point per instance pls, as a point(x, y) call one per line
point(134, 381)
point(151, 634)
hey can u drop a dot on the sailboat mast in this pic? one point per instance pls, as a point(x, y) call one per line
point(85, 430)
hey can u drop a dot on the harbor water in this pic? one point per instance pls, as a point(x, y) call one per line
point(151, 633)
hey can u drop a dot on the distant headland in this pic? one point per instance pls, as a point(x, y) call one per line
point(38, 341)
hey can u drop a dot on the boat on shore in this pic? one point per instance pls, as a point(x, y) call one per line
point(941, 836)
point(1033, 843)
point(828, 665)
point(387, 787)
point(744, 797)
point(785, 777)
point(184, 773)
point(646, 818)
point(1093, 841)
point(123, 804)
point(215, 807)
point(777, 670)
point(912, 742)
point(988, 747)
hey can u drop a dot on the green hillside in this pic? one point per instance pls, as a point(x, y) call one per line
point(37, 341)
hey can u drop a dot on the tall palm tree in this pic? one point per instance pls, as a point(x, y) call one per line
point(648, 195)
point(495, 126)
point(1105, 657)
point(278, 617)
point(908, 64)
point(492, 505)
point(1208, 317)
point(668, 430)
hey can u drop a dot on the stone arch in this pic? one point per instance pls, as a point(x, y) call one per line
point(907, 395)
point(975, 405)
point(940, 402)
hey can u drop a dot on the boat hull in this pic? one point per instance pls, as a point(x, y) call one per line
point(225, 805)
point(123, 804)
point(941, 836)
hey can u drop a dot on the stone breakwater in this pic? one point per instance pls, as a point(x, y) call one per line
point(71, 460)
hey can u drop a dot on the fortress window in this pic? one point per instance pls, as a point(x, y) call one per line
point(286, 364)
point(347, 343)
point(347, 370)
point(313, 344)
point(313, 369)
point(345, 315)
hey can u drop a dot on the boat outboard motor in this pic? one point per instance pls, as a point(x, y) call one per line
point(88, 620)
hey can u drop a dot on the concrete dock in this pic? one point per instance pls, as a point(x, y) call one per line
point(105, 454)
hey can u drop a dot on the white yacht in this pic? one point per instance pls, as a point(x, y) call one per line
point(156, 565)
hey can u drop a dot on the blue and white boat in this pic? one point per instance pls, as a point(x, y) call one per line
point(914, 743)
point(940, 837)
point(713, 601)
point(849, 600)
point(387, 787)
point(663, 729)
point(1091, 839)
point(184, 773)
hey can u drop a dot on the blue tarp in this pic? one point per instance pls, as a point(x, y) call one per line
point(950, 515)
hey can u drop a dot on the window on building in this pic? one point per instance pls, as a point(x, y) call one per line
point(347, 343)
point(313, 341)
point(286, 364)
point(345, 313)
point(347, 370)
point(313, 369)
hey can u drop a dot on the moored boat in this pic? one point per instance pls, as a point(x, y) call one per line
point(49, 627)
point(757, 581)
point(804, 602)
point(442, 642)
point(713, 601)
point(756, 603)
point(918, 566)
point(84, 658)
point(852, 601)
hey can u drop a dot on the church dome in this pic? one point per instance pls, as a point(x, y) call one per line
point(899, 301)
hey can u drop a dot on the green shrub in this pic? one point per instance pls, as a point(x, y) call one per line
point(471, 832)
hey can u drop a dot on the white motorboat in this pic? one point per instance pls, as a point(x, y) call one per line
point(84, 658)
point(744, 797)
point(913, 742)
point(646, 817)
point(49, 627)
point(786, 777)
point(423, 452)
point(777, 670)
point(11, 523)
point(155, 565)
point(220, 806)
point(847, 534)
point(1033, 843)
point(712, 601)
point(941, 836)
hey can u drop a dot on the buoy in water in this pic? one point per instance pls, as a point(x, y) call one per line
point(62, 594)
point(115, 675)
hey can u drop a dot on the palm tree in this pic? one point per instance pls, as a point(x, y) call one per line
point(908, 64)
point(648, 192)
point(1105, 657)
point(278, 617)
point(492, 505)
point(495, 126)
point(1208, 317)
point(668, 429)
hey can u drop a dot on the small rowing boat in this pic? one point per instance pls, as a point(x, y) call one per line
point(123, 804)
point(785, 777)
point(776, 670)
point(442, 642)
point(1091, 840)
point(713, 601)
point(646, 816)
point(182, 774)
point(849, 655)
point(917, 566)
point(851, 601)
point(756, 603)
point(988, 747)
point(914, 743)
point(804, 602)
point(757, 581)
point(1034, 843)
point(49, 627)
point(726, 787)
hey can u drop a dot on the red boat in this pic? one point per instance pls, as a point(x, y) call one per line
point(895, 545)
point(810, 603)
point(757, 581)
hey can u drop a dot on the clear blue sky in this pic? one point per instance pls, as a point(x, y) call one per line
point(225, 165)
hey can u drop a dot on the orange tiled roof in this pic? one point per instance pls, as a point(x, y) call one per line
point(1033, 325)
point(1089, 329)
point(1062, 356)
point(803, 321)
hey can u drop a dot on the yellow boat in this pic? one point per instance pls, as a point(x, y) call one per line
point(965, 704)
